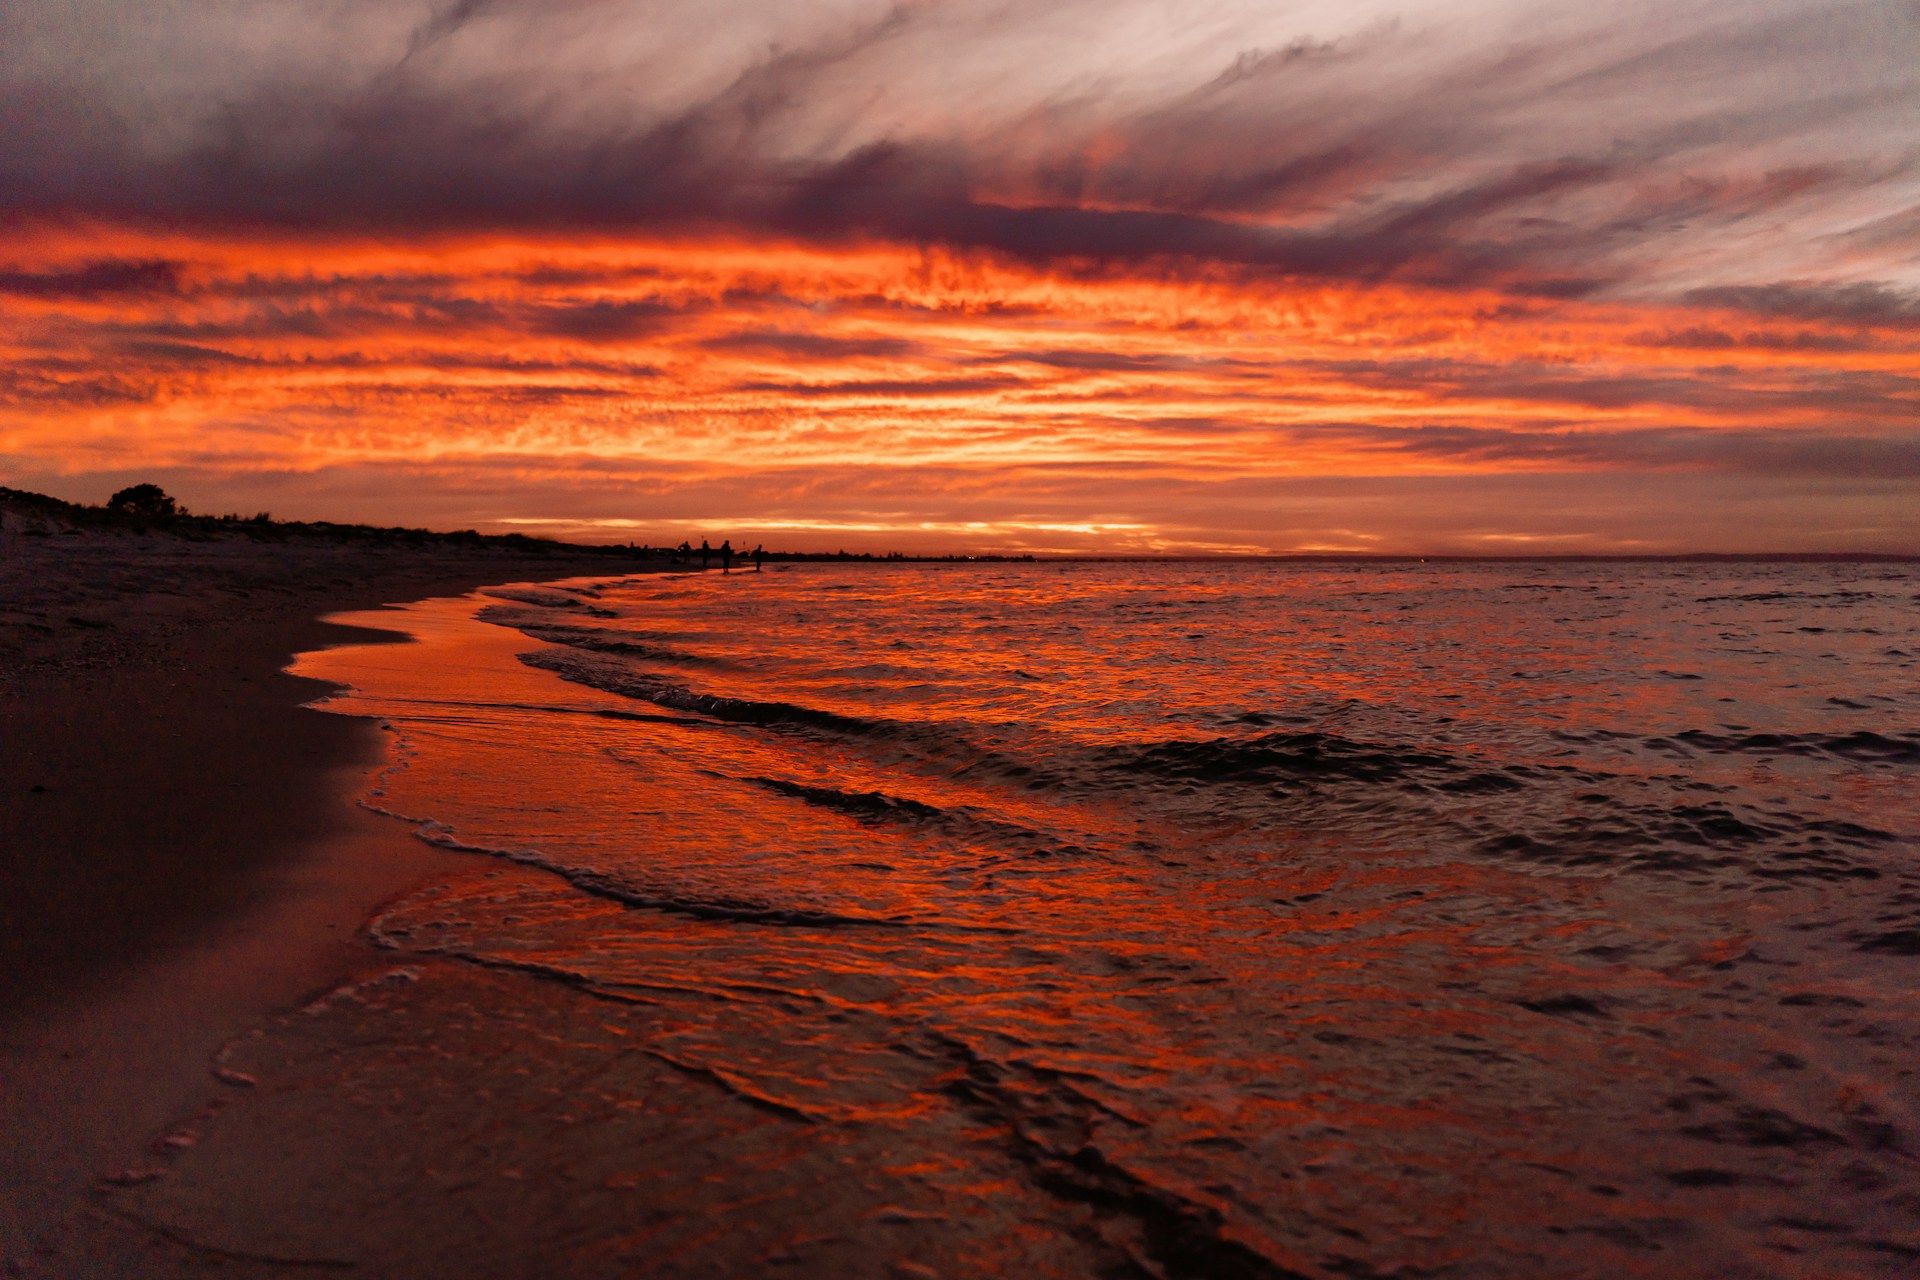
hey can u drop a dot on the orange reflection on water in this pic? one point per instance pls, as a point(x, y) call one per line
point(1239, 919)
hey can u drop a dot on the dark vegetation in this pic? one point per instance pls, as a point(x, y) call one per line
point(147, 508)
point(144, 500)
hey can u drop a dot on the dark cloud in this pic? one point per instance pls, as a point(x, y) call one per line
point(894, 192)
point(1866, 303)
point(809, 346)
point(606, 321)
point(509, 394)
point(180, 355)
point(104, 279)
point(483, 363)
point(1089, 360)
point(1721, 389)
point(903, 388)
point(1778, 453)
point(1562, 161)
point(1700, 338)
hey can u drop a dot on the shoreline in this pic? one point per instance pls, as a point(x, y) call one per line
point(157, 912)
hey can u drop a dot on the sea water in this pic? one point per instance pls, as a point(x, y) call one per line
point(1206, 919)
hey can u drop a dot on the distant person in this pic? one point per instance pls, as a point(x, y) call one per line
point(706, 553)
point(726, 555)
point(681, 552)
point(759, 554)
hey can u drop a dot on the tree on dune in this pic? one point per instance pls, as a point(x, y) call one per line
point(144, 500)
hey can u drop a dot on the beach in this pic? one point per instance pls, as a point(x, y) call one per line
point(182, 851)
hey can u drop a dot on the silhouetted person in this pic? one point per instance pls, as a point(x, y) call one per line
point(759, 554)
point(705, 552)
point(726, 555)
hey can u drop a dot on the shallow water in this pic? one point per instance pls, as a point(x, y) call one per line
point(1199, 919)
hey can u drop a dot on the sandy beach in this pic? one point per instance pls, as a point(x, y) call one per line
point(181, 849)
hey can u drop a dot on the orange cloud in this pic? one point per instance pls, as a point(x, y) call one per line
point(666, 362)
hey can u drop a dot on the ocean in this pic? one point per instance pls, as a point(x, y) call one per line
point(1170, 919)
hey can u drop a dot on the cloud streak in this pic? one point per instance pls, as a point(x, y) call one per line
point(1549, 147)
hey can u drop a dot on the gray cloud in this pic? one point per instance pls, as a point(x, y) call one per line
point(1864, 302)
point(1551, 149)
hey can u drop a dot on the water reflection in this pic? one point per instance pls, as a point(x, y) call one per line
point(1473, 920)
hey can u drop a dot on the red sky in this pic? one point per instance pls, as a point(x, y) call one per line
point(1235, 276)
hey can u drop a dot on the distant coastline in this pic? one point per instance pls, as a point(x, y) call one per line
point(19, 506)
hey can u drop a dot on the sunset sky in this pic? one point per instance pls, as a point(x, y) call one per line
point(1467, 276)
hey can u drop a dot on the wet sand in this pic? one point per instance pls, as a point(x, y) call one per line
point(178, 839)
